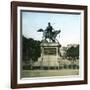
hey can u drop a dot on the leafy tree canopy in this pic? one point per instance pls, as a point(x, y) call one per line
point(73, 52)
point(31, 49)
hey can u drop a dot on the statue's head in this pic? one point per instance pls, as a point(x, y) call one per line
point(49, 24)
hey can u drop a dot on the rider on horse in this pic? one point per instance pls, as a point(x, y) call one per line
point(49, 33)
point(49, 29)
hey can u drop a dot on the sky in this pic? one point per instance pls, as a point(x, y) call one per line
point(69, 24)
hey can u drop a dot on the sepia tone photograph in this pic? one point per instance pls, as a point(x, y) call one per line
point(50, 43)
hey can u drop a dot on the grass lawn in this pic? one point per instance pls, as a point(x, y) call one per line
point(45, 73)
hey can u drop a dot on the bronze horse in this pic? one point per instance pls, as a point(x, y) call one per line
point(51, 36)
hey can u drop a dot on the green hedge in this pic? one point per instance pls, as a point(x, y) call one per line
point(28, 67)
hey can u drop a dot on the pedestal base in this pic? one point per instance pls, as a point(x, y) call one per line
point(50, 55)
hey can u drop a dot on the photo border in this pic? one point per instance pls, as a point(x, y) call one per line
point(14, 38)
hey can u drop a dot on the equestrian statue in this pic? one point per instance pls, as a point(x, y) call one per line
point(49, 33)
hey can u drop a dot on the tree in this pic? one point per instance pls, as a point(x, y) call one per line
point(31, 49)
point(73, 52)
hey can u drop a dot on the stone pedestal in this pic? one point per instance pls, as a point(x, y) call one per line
point(50, 55)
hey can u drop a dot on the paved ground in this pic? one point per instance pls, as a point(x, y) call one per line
point(45, 73)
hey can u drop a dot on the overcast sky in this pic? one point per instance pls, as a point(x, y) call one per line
point(69, 24)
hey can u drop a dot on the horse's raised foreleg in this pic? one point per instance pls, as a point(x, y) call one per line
point(53, 40)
